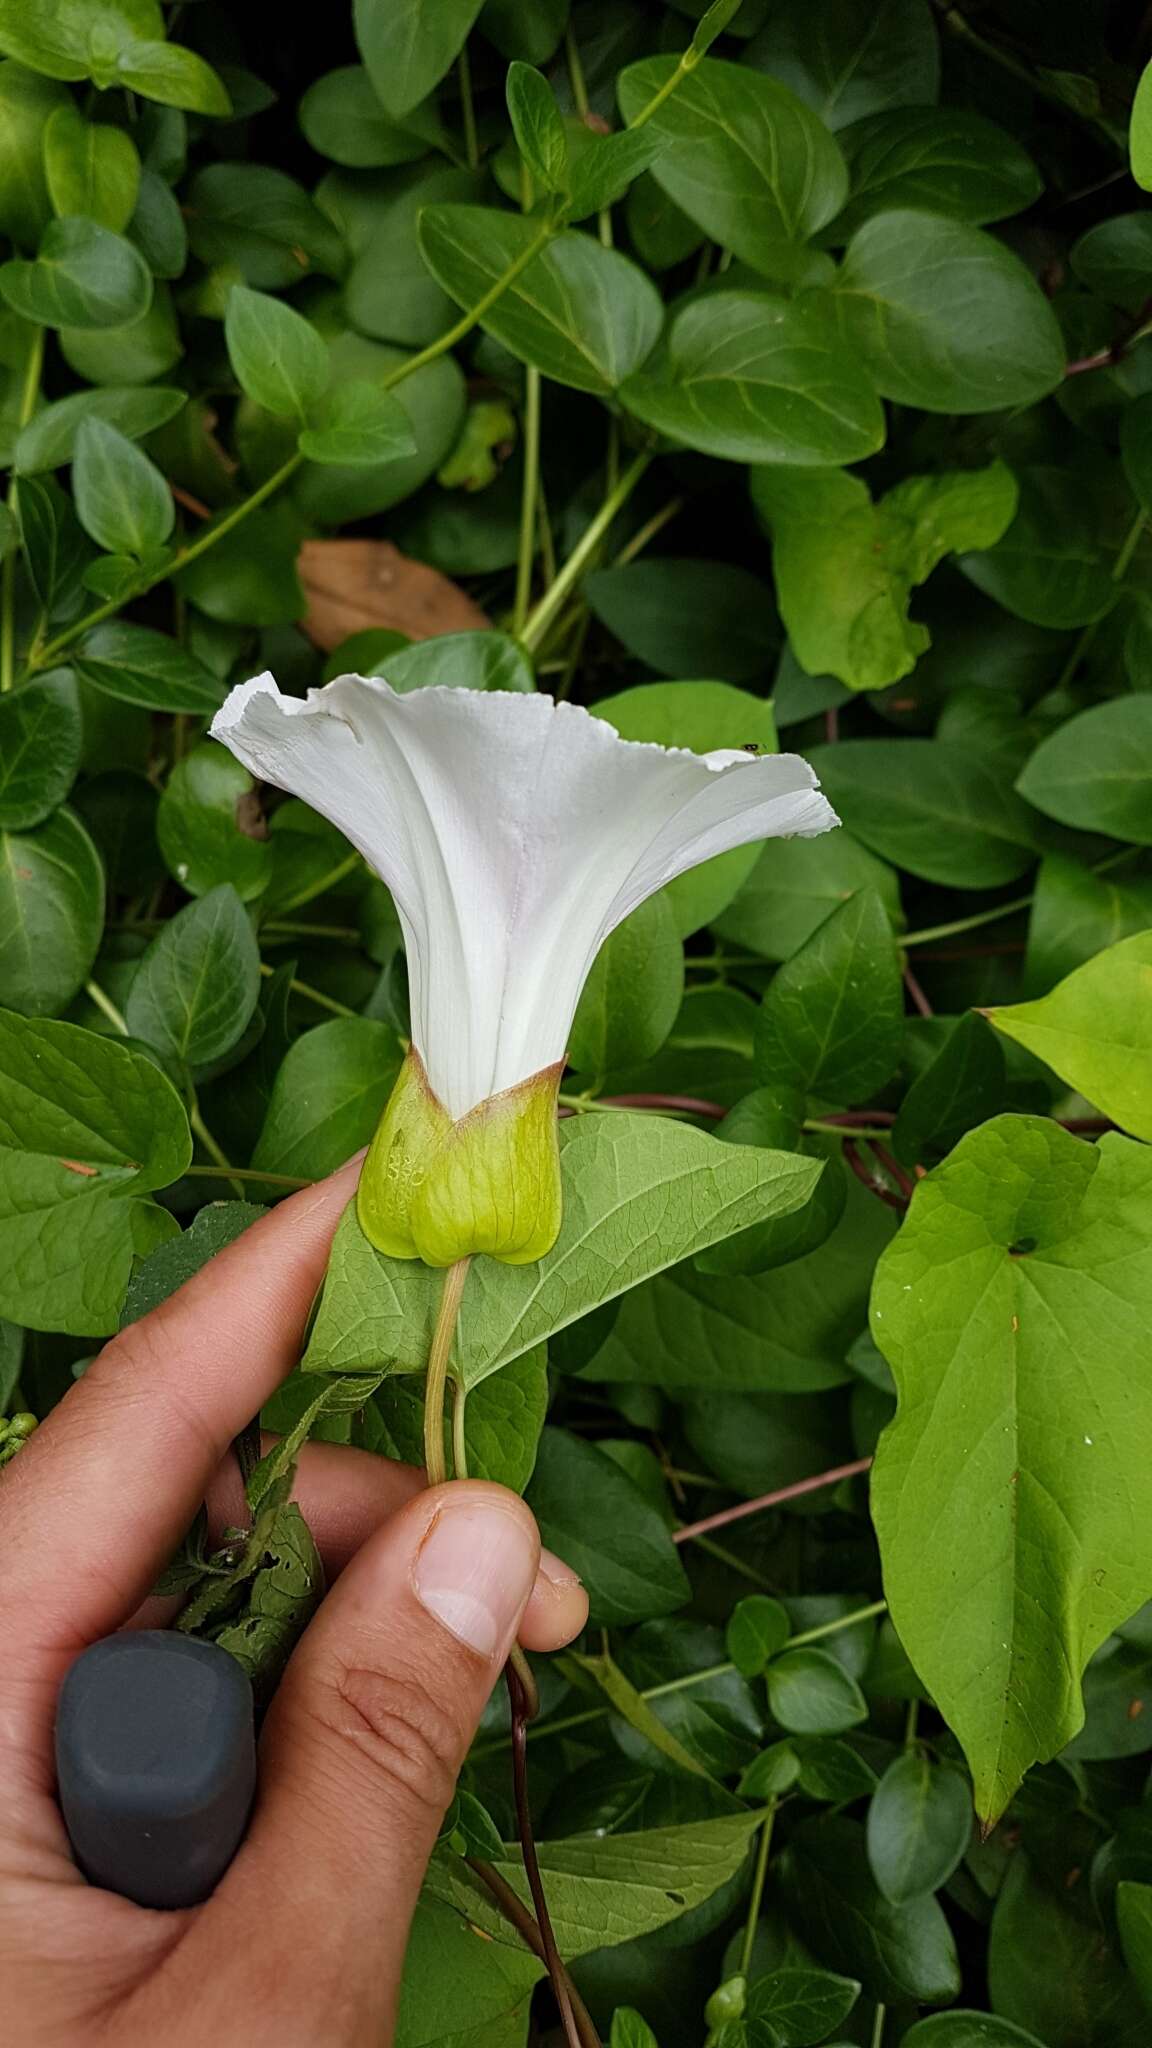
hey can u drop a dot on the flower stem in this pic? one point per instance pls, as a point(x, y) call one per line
point(526, 554)
point(758, 1881)
point(459, 1440)
point(443, 1336)
point(539, 620)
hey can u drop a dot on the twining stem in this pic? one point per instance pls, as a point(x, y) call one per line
point(104, 1003)
point(314, 995)
point(648, 532)
point(952, 930)
point(518, 1916)
point(289, 1181)
point(467, 110)
point(526, 552)
point(758, 1881)
point(443, 1336)
point(32, 372)
point(795, 1491)
point(556, 1970)
point(550, 604)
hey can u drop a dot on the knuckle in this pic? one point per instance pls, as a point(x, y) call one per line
point(410, 1739)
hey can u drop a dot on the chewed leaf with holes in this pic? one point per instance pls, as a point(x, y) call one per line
point(1007, 1493)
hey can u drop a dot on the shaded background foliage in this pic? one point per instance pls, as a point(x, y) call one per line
point(892, 237)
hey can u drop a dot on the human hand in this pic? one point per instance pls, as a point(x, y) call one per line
point(302, 1943)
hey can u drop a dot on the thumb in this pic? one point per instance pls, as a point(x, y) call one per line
point(361, 1751)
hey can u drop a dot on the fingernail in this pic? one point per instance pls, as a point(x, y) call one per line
point(475, 1570)
point(556, 1572)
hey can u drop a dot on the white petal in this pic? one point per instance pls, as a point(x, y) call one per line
point(514, 833)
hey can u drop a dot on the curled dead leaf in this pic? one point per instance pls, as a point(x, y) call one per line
point(352, 585)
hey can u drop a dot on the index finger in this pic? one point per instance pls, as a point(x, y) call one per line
point(100, 1496)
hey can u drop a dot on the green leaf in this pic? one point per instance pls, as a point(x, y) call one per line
point(254, 219)
point(1095, 1030)
point(40, 742)
point(55, 549)
point(343, 117)
point(941, 810)
point(832, 1022)
point(278, 357)
point(846, 568)
point(26, 103)
point(593, 1516)
point(83, 276)
point(704, 1335)
point(147, 669)
point(1112, 259)
point(774, 1771)
point(121, 497)
point(833, 1771)
point(76, 38)
point(630, 2030)
point(635, 1711)
point(87, 1126)
point(582, 314)
point(794, 885)
point(461, 661)
point(537, 126)
point(328, 1097)
point(1140, 131)
point(503, 1419)
point(604, 169)
point(171, 1264)
point(173, 75)
point(1051, 1969)
point(1002, 1475)
point(91, 170)
point(774, 1116)
point(963, 1085)
point(1050, 566)
point(51, 914)
point(1096, 771)
point(408, 45)
point(849, 58)
point(49, 439)
point(758, 1628)
point(135, 353)
point(603, 1890)
point(901, 1953)
point(462, 1988)
point(199, 829)
point(919, 1826)
point(632, 996)
point(1076, 913)
point(719, 618)
point(360, 425)
point(942, 160)
point(968, 2030)
point(758, 379)
point(1134, 1917)
point(157, 227)
point(945, 317)
point(621, 1173)
point(811, 1694)
point(742, 156)
point(197, 985)
point(793, 2008)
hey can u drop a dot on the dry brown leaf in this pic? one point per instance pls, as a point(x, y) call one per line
point(352, 585)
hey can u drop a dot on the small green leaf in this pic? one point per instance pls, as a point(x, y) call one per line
point(40, 743)
point(122, 499)
point(755, 378)
point(630, 2030)
point(460, 661)
point(919, 1827)
point(55, 548)
point(49, 439)
point(902, 1954)
point(1095, 771)
point(252, 218)
point(942, 160)
point(968, 2030)
point(26, 103)
point(963, 1085)
point(76, 38)
point(1134, 1916)
point(1140, 131)
point(850, 58)
point(172, 1263)
point(51, 914)
point(770, 1774)
point(358, 424)
point(138, 666)
point(175, 76)
point(343, 117)
point(794, 2008)
point(633, 994)
point(793, 886)
point(277, 355)
point(1053, 1972)
point(92, 170)
point(197, 985)
point(832, 1770)
point(1095, 1030)
point(593, 1516)
point(832, 1022)
point(604, 169)
point(328, 1097)
point(198, 824)
point(811, 1694)
point(408, 45)
point(1050, 567)
point(537, 126)
point(945, 812)
point(758, 1628)
point(83, 276)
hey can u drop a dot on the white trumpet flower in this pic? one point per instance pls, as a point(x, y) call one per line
point(515, 834)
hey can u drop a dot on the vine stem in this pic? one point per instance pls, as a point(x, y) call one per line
point(104, 1003)
point(518, 1916)
point(770, 1500)
point(558, 1974)
point(526, 552)
point(538, 621)
point(758, 1882)
point(32, 374)
point(443, 1337)
point(467, 109)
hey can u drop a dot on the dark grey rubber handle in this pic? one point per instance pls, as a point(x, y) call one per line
point(155, 1764)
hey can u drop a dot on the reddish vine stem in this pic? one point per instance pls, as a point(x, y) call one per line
point(692, 1104)
point(919, 999)
point(868, 1176)
point(557, 1973)
point(770, 1500)
point(1107, 358)
point(518, 1916)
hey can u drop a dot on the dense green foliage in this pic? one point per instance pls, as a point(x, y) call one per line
point(781, 377)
